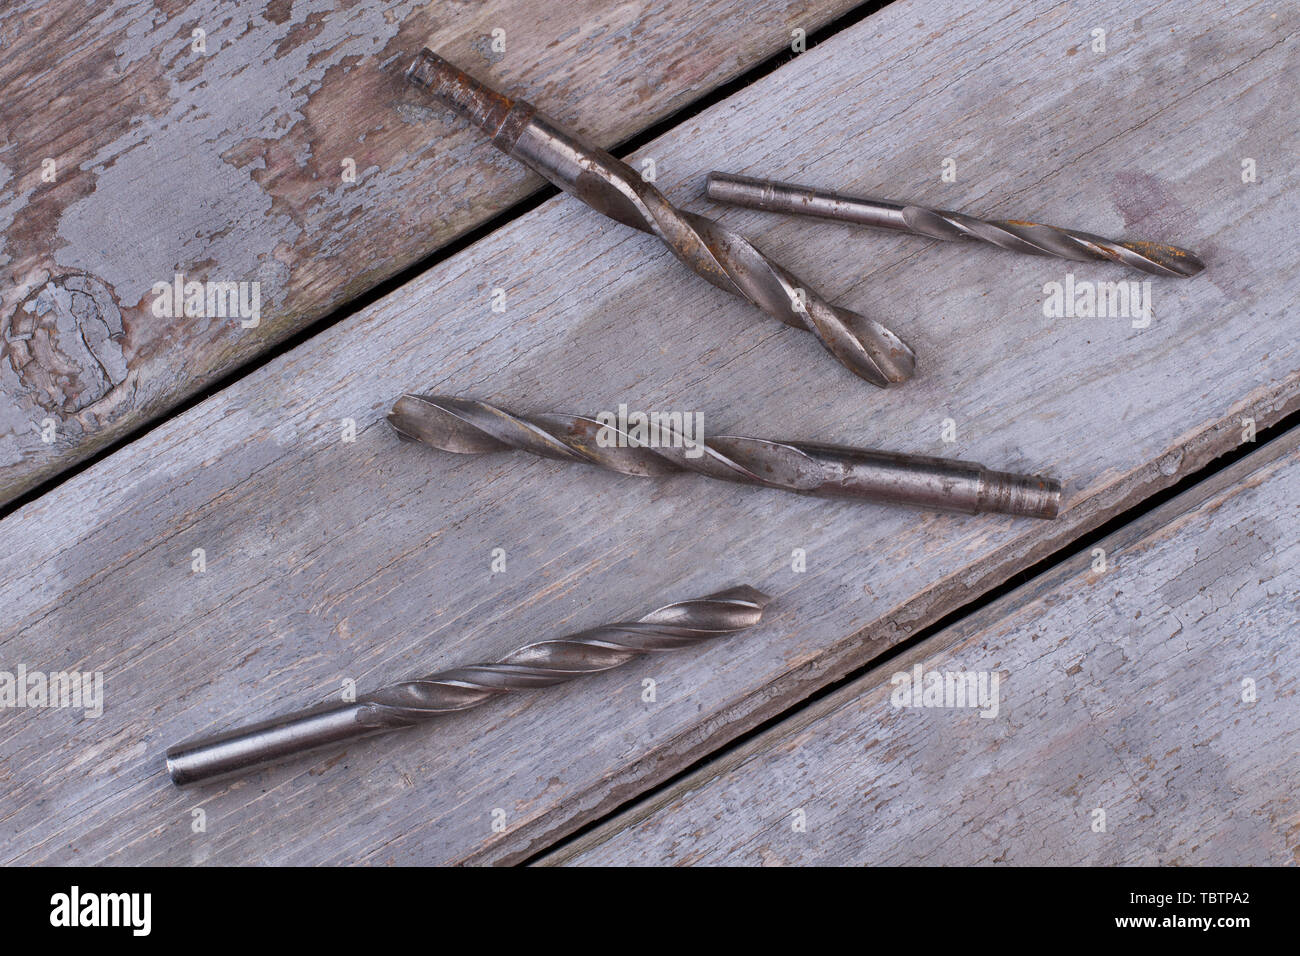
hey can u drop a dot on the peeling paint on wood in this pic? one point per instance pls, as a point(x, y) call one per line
point(209, 139)
point(328, 560)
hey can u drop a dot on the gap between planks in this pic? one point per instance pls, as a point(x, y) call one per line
point(283, 612)
point(706, 799)
point(932, 637)
point(270, 206)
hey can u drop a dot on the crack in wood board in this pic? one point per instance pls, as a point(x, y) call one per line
point(1119, 689)
point(278, 145)
point(328, 559)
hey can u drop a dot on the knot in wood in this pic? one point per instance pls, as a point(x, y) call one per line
point(65, 342)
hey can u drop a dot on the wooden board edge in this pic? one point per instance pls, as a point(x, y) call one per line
point(1142, 527)
point(859, 649)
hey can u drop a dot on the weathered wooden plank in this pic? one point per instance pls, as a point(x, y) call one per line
point(1160, 691)
point(371, 560)
point(229, 165)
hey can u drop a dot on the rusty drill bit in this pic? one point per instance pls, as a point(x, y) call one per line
point(1032, 238)
point(723, 257)
point(471, 427)
point(401, 705)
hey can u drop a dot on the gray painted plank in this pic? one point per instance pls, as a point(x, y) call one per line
point(370, 560)
point(1121, 690)
point(228, 164)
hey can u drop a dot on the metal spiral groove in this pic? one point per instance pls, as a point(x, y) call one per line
point(723, 257)
point(532, 666)
point(470, 427)
point(1038, 239)
point(467, 426)
point(1032, 238)
point(553, 662)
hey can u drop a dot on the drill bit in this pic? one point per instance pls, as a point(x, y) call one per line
point(1032, 238)
point(471, 427)
point(401, 705)
point(723, 257)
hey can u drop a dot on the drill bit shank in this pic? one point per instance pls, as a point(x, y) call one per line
point(403, 705)
point(466, 426)
point(723, 257)
point(1032, 238)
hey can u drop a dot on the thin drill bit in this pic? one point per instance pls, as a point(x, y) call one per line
point(401, 705)
point(471, 427)
point(1033, 238)
point(723, 257)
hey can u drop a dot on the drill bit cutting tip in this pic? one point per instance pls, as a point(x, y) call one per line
point(470, 427)
point(669, 628)
point(724, 258)
point(1032, 238)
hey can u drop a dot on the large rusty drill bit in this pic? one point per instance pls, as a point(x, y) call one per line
point(723, 257)
point(1033, 238)
point(471, 427)
point(402, 705)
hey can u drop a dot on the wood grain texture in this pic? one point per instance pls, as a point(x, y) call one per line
point(371, 559)
point(1120, 690)
point(227, 165)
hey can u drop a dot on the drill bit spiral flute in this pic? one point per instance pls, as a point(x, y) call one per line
point(721, 256)
point(469, 427)
point(403, 705)
point(1031, 238)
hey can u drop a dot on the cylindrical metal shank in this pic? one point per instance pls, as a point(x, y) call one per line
point(933, 484)
point(770, 196)
point(258, 745)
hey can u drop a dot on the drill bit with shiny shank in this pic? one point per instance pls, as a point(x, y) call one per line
point(470, 427)
point(721, 256)
point(543, 664)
